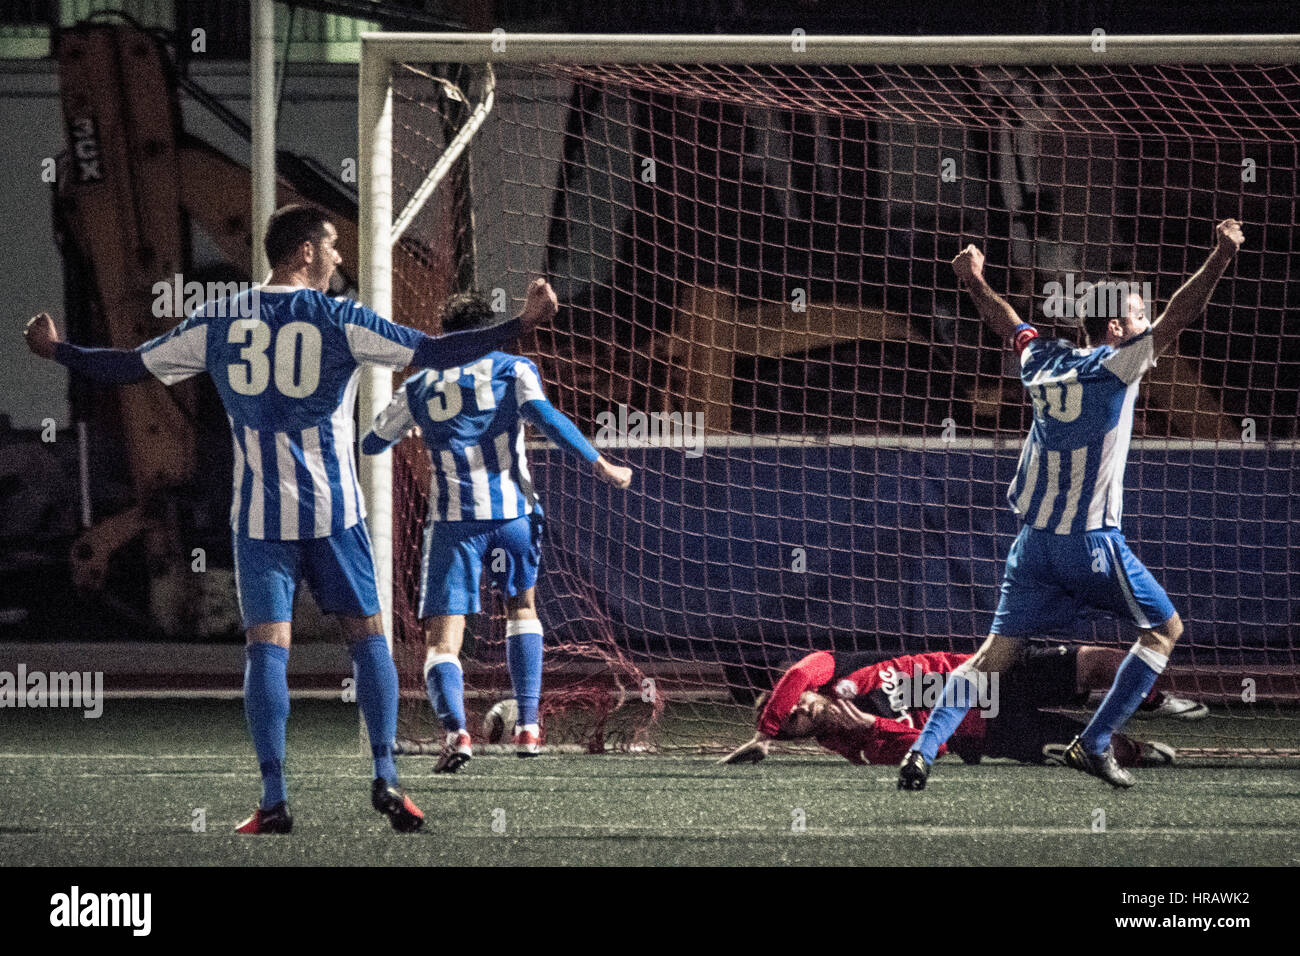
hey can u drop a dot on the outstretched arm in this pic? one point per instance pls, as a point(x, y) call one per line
point(752, 751)
point(993, 309)
point(559, 429)
point(456, 348)
point(811, 671)
point(461, 348)
point(374, 339)
point(1190, 300)
point(109, 366)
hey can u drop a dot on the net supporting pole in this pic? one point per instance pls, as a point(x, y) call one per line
point(375, 134)
point(449, 157)
point(262, 128)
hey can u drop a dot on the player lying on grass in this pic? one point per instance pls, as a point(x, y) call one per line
point(1068, 492)
point(482, 508)
point(870, 711)
point(286, 363)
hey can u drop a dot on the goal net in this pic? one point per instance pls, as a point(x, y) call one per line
point(750, 240)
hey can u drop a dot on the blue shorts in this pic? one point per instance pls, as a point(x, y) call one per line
point(1051, 577)
point(339, 569)
point(456, 551)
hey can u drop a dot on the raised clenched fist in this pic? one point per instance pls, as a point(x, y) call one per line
point(540, 303)
point(41, 335)
point(619, 476)
point(968, 264)
point(1229, 237)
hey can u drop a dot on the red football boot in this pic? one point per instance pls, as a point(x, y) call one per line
point(392, 802)
point(275, 820)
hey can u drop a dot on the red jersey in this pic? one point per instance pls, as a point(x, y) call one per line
point(895, 690)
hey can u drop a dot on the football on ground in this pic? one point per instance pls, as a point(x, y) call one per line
point(499, 722)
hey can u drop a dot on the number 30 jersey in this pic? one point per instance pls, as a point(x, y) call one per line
point(1071, 473)
point(285, 361)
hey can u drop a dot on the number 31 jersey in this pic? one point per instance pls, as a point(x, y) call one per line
point(1071, 473)
point(470, 420)
point(286, 363)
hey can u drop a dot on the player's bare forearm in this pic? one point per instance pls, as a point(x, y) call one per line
point(993, 309)
point(1191, 299)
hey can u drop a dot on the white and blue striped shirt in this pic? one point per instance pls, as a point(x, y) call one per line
point(470, 420)
point(1071, 473)
point(288, 377)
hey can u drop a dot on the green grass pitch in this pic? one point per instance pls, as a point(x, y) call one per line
point(123, 790)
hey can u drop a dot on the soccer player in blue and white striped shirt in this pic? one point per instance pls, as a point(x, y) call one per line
point(286, 358)
point(1068, 492)
point(482, 508)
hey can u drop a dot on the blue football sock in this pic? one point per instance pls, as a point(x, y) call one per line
point(266, 707)
point(445, 682)
point(377, 697)
point(524, 659)
point(1133, 681)
point(958, 695)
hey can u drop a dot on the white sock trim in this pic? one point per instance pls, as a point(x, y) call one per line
point(433, 659)
point(523, 625)
point(1151, 658)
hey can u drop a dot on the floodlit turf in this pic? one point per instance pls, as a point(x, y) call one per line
point(123, 790)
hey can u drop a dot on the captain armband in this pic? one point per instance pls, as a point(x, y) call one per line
point(1024, 334)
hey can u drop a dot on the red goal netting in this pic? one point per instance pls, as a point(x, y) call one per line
point(758, 315)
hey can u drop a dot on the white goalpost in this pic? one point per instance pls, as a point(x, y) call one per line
point(678, 339)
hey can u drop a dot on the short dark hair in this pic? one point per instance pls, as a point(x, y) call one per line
point(467, 310)
point(289, 227)
point(1099, 303)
